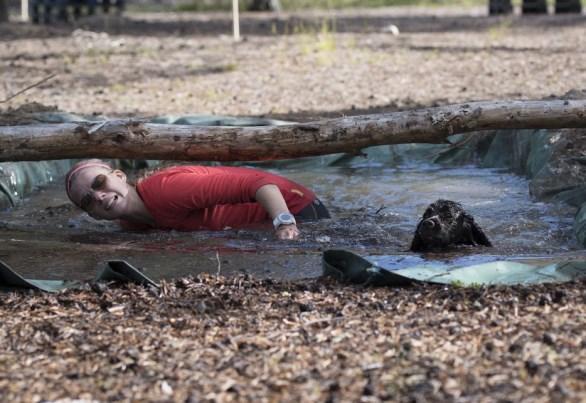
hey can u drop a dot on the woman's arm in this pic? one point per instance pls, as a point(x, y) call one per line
point(271, 198)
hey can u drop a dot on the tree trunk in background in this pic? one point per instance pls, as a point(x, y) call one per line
point(3, 11)
point(140, 140)
point(263, 5)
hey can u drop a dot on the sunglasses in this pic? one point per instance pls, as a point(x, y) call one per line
point(88, 199)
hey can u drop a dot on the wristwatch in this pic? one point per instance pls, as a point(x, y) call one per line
point(284, 219)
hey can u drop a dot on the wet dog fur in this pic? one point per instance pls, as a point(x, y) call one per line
point(444, 224)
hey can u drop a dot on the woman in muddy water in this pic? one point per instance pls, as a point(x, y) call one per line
point(192, 198)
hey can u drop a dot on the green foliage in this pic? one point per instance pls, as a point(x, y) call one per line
point(306, 4)
point(502, 29)
point(226, 5)
point(317, 40)
point(208, 5)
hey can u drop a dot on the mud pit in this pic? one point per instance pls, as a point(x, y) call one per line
point(236, 338)
point(375, 211)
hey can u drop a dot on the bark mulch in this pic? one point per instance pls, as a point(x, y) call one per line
point(221, 339)
point(208, 338)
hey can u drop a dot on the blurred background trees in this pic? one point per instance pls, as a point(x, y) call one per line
point(3, 11)
point(13, 7)
point(265, 5)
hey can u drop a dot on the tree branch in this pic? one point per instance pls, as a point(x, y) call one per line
point(28, 88)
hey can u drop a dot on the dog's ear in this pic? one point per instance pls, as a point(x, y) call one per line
point(417, 244)
point(476, 233)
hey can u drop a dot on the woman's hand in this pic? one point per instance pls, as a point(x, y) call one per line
point(271, 198)
point(288, 231)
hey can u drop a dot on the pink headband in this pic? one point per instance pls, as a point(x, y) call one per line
point(79, 168)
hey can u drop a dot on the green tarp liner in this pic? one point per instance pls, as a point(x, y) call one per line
point(114, 270)
point(215, 120)
point(580, 225)
point(18, 179)
point(349, 267)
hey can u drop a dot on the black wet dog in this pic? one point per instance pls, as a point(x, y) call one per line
point(445, 223)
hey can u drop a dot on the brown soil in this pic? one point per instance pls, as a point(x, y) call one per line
point(225, 339)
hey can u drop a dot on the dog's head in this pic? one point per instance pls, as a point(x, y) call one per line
point(445, 223)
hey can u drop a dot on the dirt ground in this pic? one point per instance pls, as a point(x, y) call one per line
point(241, 339)
point(295, 66)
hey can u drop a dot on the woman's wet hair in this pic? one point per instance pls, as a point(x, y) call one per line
point(75, 169)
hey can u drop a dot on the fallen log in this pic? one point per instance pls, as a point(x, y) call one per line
point(140, 140)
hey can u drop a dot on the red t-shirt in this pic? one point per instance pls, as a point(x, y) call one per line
point(213, 198)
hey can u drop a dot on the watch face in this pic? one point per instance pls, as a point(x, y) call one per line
point(283, 219)
point(286, 218)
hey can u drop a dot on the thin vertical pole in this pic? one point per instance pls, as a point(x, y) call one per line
point(236, 20)
point(24, 10)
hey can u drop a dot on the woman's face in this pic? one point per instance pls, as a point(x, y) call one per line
point(101, 192)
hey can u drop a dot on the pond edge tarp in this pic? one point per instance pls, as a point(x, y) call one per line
point(348, 267)
point(111, 271)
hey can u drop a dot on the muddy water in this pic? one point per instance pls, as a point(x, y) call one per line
point(375, 211)
point(499, 201)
